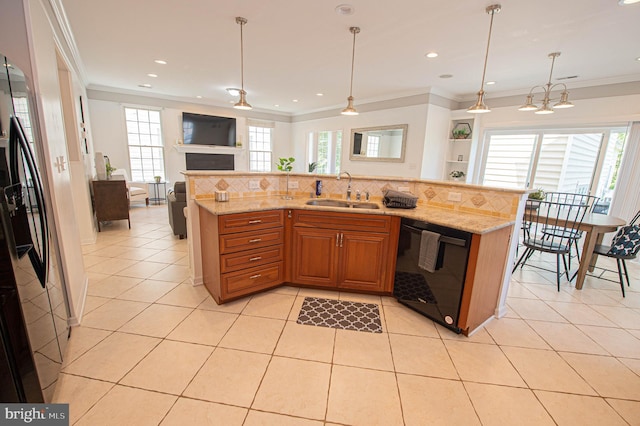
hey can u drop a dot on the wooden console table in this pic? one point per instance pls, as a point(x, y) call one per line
point(110, 200)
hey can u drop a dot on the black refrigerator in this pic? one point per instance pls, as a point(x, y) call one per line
point(33, 306)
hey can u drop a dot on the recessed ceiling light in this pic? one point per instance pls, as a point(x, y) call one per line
point(295, 100)
point(319, 94)
point(432, 55)
point(146, 85)
point(233, 91)
point(638, 58)
point(199, 97)
point(160, 61)
point(446, 76)
point(152, 75)
point(625, 2)
point(490, 83)
point(276, 105)
point(344, 9)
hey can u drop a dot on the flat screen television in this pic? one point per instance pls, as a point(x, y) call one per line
point(208, 130)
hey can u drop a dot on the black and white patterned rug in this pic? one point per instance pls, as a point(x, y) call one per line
point(341, 314)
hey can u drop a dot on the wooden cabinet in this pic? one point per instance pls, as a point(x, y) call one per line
point(242, 253)
point(344, 250)
point(110, 200)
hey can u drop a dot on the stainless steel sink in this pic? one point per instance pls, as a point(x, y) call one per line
point(342, 204)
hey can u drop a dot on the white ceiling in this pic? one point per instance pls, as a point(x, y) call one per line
point(297, 48)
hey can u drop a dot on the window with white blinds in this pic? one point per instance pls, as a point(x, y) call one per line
point(508, 160)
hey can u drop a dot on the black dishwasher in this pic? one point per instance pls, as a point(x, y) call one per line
point(438, 294)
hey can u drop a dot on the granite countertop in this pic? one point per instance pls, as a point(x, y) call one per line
point(475, 223)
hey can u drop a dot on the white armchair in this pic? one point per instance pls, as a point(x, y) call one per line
point(138, 191)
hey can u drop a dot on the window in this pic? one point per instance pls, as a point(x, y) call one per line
point(144, 137)
point(325, 148)
point(260, 147)
point(21, 109)
point(373, 146)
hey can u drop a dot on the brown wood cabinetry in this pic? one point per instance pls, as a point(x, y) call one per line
point(344, 250)
point(241, 253)
point(110, 200)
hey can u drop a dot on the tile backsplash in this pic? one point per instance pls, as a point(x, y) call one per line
point(450, 195)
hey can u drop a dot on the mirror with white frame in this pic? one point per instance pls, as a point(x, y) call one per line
point(382, 143)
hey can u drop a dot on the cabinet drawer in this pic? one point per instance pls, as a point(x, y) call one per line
point(242, 222)
point(340, 221)
point(249, 280)
point(250, 240)
point(251, 258)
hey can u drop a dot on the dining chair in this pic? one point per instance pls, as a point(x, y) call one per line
point(624, 246)
point(570, 198)
point(540, 216)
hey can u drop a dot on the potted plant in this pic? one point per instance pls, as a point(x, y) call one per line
point(457, 174)
point(461, 131)
point(313, 166)
point(157, 178)
point(110, 169)
point(536, 196)
point(286, 165)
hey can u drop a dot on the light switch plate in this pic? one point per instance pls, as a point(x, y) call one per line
point(254, 184)
point(455, 196)
point(403, 188)
point(293, 184)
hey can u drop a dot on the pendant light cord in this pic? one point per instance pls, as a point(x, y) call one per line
point(354, 30)
point(241, 56)
point(486, 55)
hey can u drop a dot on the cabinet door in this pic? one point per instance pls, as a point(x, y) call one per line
point(363, 260)
point(315, 254)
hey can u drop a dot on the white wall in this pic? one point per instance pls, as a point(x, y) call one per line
point(415, 116)
point(436, 140)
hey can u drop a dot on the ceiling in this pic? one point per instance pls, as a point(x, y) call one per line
point(295, 49)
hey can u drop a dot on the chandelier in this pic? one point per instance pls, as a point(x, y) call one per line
point(563, 102)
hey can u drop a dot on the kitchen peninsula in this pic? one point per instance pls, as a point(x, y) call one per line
point(258, 240)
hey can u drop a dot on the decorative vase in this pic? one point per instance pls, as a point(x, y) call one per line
point(157, 178)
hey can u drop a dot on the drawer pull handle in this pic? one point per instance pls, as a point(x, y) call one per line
point(255, 240)
point(337, 238)
point(253, 259)
point(253, 277)
point(251, 222)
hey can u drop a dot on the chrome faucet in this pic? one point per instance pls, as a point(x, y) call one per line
point(348, 185)
point(358, 195)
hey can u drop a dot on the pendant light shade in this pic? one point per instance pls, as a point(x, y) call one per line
point(350, 109)
point(546, 108)
point(242, 103)
point(480, 106)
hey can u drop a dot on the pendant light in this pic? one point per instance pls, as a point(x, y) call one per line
point(350, 109)
point(242, 103)
point(480, 107)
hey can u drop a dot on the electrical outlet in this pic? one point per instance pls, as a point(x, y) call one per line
point(455, 196)
point(403, 189)
point(293, 184)
point(254, 184)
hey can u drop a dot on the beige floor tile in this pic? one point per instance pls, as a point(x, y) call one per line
point(148, 291)
point(285, 289)
point(546, 370)
point(359, 297)
point(253, 334)
point(93, 259)
point(234, 307)
point(579, 410)
point(112, 286)
point(577, 313)
point(306, 342)
point(229, 377)
point(534, 310)
point(430, 401)
point(478, 362)
point(617, 341)
point(203, 327)
point(314, 292)
point(82, 339)
point(93, 302)
point(270, 305)
point(111, 266)
point(592, 296)
point(520, 291)
point(156, 320)
point(137, 253)
point(421, 355)
point(169, 367)
point(167, 256)
point(294, 387)
point(80, 393)
point(480, 335)
point(192, 412)
point(566, 337)
point(622, 317)
point(174, 273)
point(113, 357)
point(160, 244)
point(185, 295)
point(260, 418)
point(142, 269)
point(608, 376)
point(549, 293)
point(629, 410)
point(515, 332)
point(363, 397)
point(402, 320)
point(128, 406)
point(113, 314)
point(135, 242)
point(297, 306)
point(633, 364)
point(363, 349)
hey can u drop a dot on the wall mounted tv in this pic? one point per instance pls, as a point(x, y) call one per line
point(208, 130)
